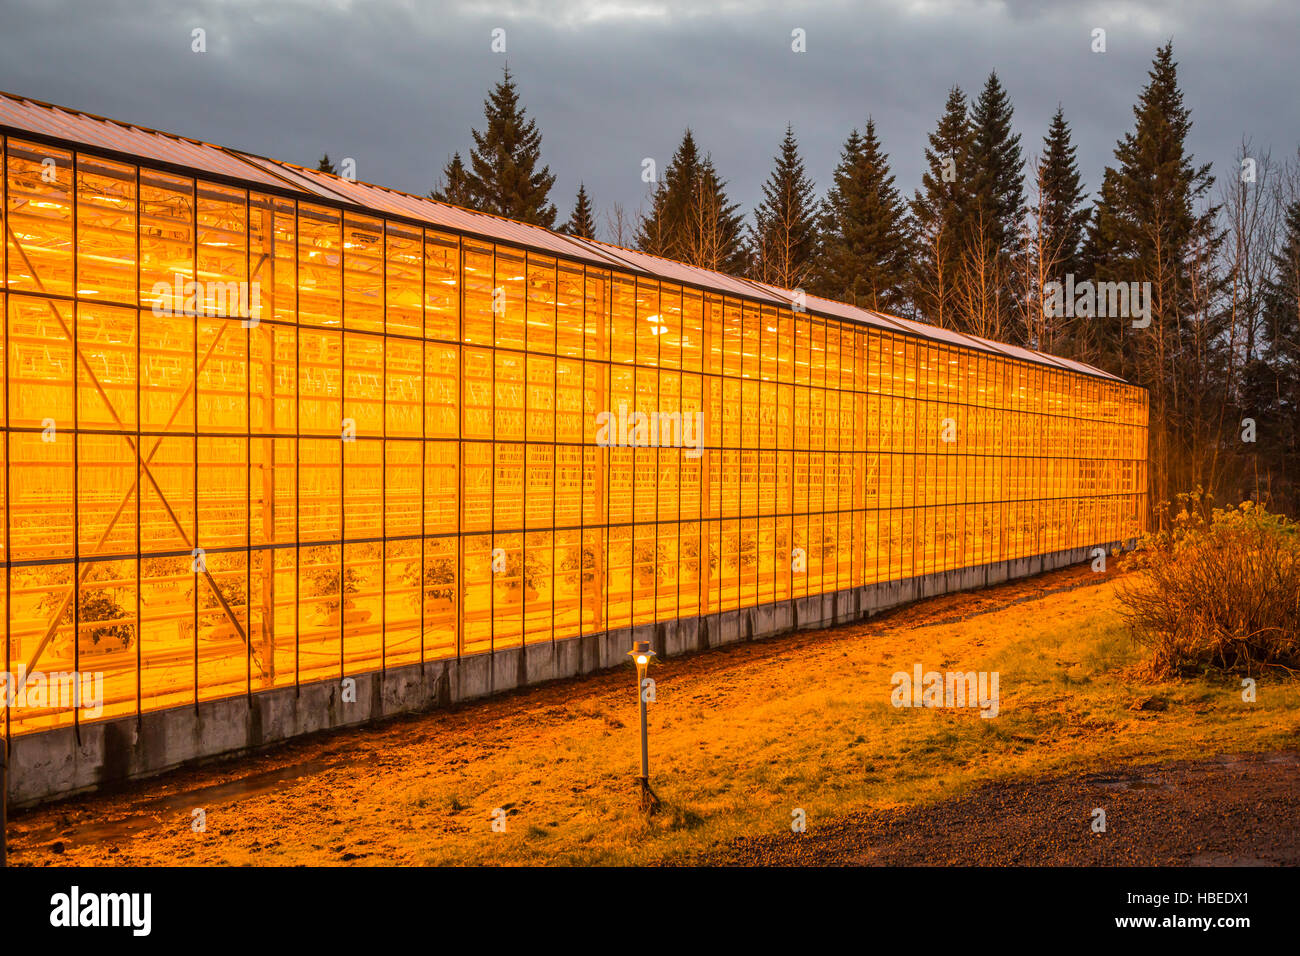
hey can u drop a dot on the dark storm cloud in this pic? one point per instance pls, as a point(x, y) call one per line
point(397, 85)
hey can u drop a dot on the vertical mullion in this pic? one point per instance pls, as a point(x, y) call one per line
point(681, 452)
point(555, 439)
point(76, 443)
point(297, 451)
point(740, 458)
point(460, 447)
point(343, 447)
point(582, 458)
point(858, 494)
point(607, 364)
point(8, 485)
point(248, 458)
point(424, 434)
point(523, 533)
point(492, 464)
point(383, 457)
point(139, 468)
point(657, 448)
point(194, 474)
point(631, 451)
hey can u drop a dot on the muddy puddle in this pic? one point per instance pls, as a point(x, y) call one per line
point(147, 814)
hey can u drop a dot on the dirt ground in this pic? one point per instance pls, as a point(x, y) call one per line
point(742, 734)
point(1229, 811)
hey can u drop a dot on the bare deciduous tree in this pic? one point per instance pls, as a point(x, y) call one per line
point(980, 284)
point(618, 225)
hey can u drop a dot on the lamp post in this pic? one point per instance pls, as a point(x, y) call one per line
point(643, 656)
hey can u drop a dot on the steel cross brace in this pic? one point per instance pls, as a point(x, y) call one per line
point(52, 629)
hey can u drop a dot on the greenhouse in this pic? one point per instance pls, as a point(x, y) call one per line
point(266, 427)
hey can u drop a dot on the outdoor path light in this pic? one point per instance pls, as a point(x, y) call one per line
point(642, 656)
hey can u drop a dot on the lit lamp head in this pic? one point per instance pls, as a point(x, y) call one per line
point(642, 656)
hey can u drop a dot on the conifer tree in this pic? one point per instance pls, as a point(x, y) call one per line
point(940, 210)
point(991, 241)
point(691, 217)
point(1065, 214)
point(582, 221)
point(1282, 327)
point(454, 185)
point(660, 231)
point(866, 248)
point(783, 237)
point(653, 232)
point(504, 177)
point(1272, 386)
point(995, 176)
point(1051, 248)
point(325, 165)
point(1148, 229)
point(715, 231)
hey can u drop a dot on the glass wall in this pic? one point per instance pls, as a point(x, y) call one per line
point(251, 441)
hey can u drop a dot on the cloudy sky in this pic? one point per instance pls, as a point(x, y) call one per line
point(397, 84)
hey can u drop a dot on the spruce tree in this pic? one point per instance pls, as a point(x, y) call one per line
point(940, 211)
point(1145, 216)
point(715, 231)
point(454, 187)
point(1282, 326)
point(866, 249)
point(1272, 385)
point(691, 217)
point(1065, 214)
point(582, 222)
point(783, 236)
point(324, 165)
point(996, 168)
point(652, 233)
point(1148, 229)
point(1051, 251)
point(504, 178)
point(660, 231)
point(987, 298)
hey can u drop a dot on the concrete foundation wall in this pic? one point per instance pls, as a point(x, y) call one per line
point(52, 764)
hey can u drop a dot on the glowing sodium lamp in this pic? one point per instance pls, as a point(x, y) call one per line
point(643, 657)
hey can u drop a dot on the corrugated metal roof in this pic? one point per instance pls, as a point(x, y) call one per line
point(84, 129)
point(384, 200)
point(675, 271)
point(1084, 367)
point(287, 175)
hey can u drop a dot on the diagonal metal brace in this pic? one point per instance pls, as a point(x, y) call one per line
point(144, 469)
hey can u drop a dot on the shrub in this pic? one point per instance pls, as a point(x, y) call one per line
point(438, 579)
point(95, 604)
point(1219, 589)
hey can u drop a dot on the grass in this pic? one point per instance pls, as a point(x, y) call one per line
point(741, 738)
